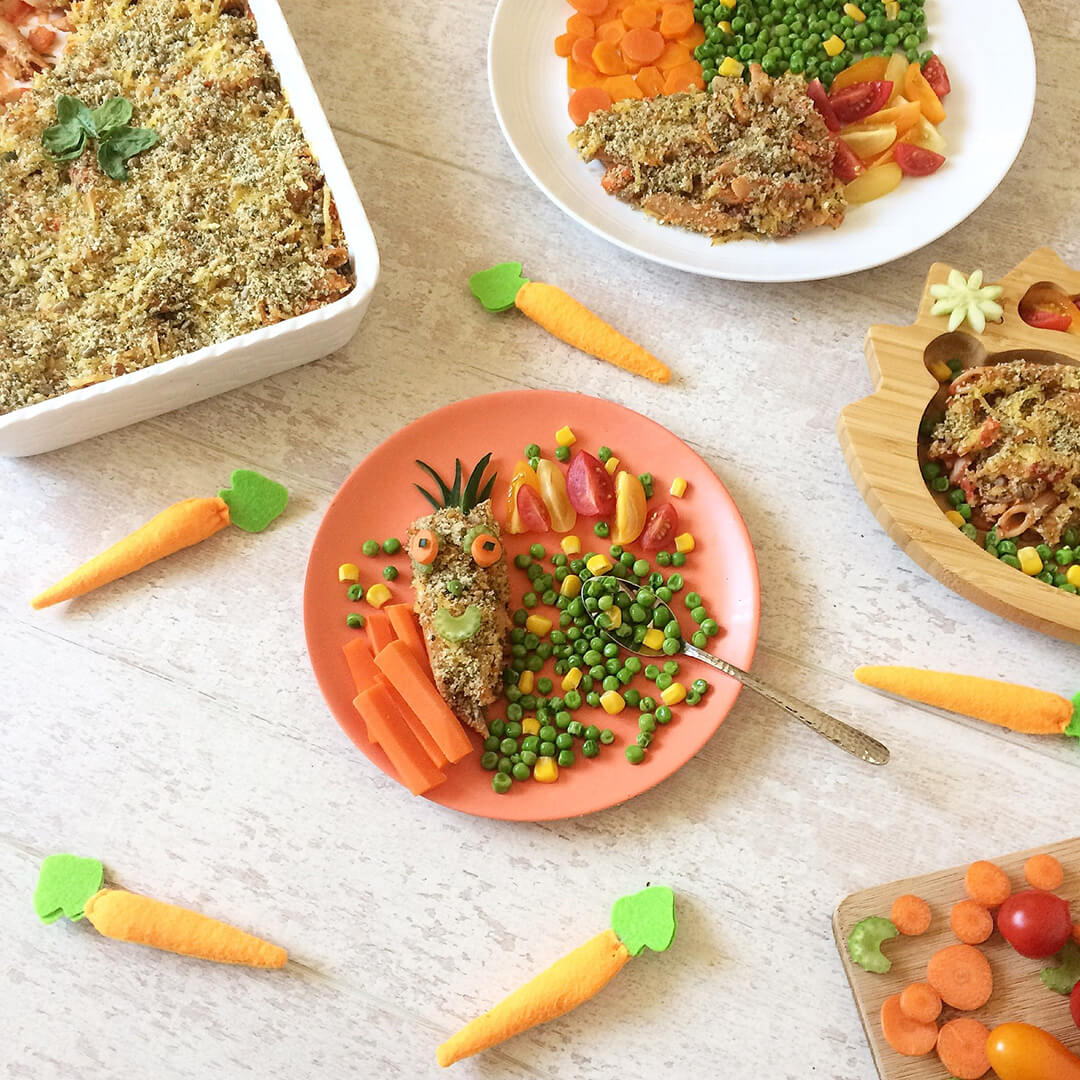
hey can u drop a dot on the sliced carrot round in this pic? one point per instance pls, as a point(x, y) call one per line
point(910, 915)
point(676, 20)
point(580, 25)
point(971, 922)
point(673, 55)
point(486, 550)
point(591, 8)
point(582, 52)
point(642, 46)
point(424, 547)
point(607, 59)
point(611, 31)
point(564, 44)
point(583, 103)
point(683, 78)
point(987, 884)
point(921, 1002)
point(650, 81)
point(640, 16)
point(621, 87)
point(962, 976)
point(912, 1038)
point(1043, 872)
point(961, 1046)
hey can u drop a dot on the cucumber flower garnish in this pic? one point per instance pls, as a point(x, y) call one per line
point(967, 298)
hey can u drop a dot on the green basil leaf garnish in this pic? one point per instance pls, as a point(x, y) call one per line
point(64, 141)
point(111, 161)
point(130, 141)
point(108, 124)
point(115, 113)
point(71, 111)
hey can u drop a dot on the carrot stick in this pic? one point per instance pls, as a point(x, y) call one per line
point(1043, 872)
point(1019, 708)
point(971, 922)
point(387, 727)
point(416, 726)
point(912, 1038)
point(403, 620)
point(181, 525)
point(126, 916)
point(962, 976)
point(961, 1046)
point(361, 664)
point(562, 987)
point(380, 632)
point(910, 915)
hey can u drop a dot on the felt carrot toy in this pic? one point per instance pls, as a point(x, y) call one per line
point(502, 287)
point(644, 919)
point(1019, 708)
point(250, 504)
point(73, 886)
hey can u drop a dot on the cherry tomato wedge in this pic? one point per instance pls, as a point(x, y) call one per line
point(532, 510)
point(846, 164)
point(860, 100)
point(659, 525)
point(589, 486)
point(916, 160)
point(1046, 320)
point(1035, 923)
point(820, 98)
point(935, 74)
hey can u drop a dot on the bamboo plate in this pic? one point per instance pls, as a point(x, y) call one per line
point(1018, 994)
point(880, 436)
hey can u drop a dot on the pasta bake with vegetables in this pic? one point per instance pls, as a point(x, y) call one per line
point(222, 223)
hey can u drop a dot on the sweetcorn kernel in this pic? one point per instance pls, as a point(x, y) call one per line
point(565, 437)
point(599, 564)
point(684, 542)
point(653, 639)
point(614, 618)
point(678, 487)
point(377, 595)
point(834, 46)
point(1030, 562)
point(538, 625)
point(941, 371)
point(612, 702)
point(572, 678)
point(348, 571)
point(725, 26)
point(546, 771)
point(956, 518)
point(729, 66)
point(611, 464)
point(526, 681)
point(675, 693)
point(571, 586)
point(1072, 575)
point(571, 545)
point(530, 725)
point(855, 12)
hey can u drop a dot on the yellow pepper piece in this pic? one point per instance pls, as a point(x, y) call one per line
point(377, 595)
point(678, 487)
point(729, 65)
point(530, 725)
point(525, 681)
point(958, 519)
point(546, 771)
point(523, 473)
point(614, 615)
point(565, 437)
point(348, 571)
point(675, 693)
point(572, 678)
point(571, 545)
point(654, 638)
point(684, 542)
point(941, 371)
point(599, 564)
point(1030, 562)
point(855, 12)
point(611, 465)
point(629, 508)
point(612, 702)
point(538, 625)
point(835, 45)
point(1072, 576)
point(571, 586)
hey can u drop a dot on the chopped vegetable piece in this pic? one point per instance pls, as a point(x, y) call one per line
point(865, 940)
point(847, 165)
point(678, 487)
point(1024, 1052)
point(1036, 924)
point(910, 915)
point(1043, 872)
point(380, 631)
point(971, 922)
point(961, 1045)
point(935, 74)
point(869, 69)
point(857, 102)
point(585, 101)
point(565, 437)
point(874, 183)
point(916, 160)
point(684, 542)
point(987, 884)
point(378, 595)
point(348, 572)
point(908, 1037)
point(962, 976)
point(386, 726)
point(819, 97)
point(1066, 974)
point(920, 1002)
point(916, 88)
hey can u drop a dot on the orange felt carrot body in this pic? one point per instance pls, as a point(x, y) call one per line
point(1019, 708)
point(387, 727)
point(563, 986)
point(126, 916)
point(181, 525)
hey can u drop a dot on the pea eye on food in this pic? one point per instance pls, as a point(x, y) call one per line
point(424, 547)
point(486, 549)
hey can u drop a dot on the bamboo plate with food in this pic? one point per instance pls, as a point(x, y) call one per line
point(967, 449)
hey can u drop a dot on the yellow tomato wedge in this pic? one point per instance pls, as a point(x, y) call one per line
point(895, 71)
point(629, 508)
point(523, 474)
point(916, 88)
point(871, 141)
point(924, 134)
point(903, 113)
point(874, 183)
point(553, 492)
point(869, 69)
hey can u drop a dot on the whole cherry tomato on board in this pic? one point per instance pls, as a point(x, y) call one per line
point(1023, 1052)
point(1035, 923)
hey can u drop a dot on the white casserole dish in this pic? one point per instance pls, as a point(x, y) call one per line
point(126, 399)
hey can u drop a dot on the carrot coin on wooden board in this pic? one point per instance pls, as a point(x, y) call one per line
point(961, 1046)
point(912, 1038)
point(921, 1002)
point(910, 915)
point(642, 46)
point(1043, 872)
point(962, 976)
point(987, 884)
point(971, 922)
point(583, 103)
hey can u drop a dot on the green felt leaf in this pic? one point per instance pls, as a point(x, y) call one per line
point(253, 500)
point(1074, 724)
point(65, 883)
point(645, 919)
point(496, 288)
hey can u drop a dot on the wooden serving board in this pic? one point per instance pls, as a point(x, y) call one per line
point(879, 436)
point(1019, 994)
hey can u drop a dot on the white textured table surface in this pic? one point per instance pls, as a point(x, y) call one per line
point(171, 724)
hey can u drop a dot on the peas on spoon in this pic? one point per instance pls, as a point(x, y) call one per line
point(836, 731)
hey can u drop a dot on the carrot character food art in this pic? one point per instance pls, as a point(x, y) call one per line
point(642, 920)
point(74, 886)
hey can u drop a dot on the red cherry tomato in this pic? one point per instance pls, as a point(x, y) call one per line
point(1074, 1004)
point(821, 99)
point(1035, 923)
point(532, 511)
point(1046, 320)
point(589, 486)
point(916, 160)
point(935, 74)
point(860, 100)
point(846, 164)
point(660, 524)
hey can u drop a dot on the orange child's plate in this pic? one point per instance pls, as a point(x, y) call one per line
point(378, 500)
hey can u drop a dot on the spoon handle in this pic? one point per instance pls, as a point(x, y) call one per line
point(836, 731)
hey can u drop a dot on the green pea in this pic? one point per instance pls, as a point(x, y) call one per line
point(969, 531)
point(679, 558)
point(601, 528)
point(572, 699)
point(607, 736)
point(663, 558)
point(355, 592)
point(635, 755)
point(644, 738)
point(1047, 577)
point(562, 453)
point(530, 600)
point(391, 546)
point(1045, 552)
point(512, 730)
point(592, 699)
point(489, 761)
point(1064, 556)
point(566, 758)
point(547, 748)
point(497, 728)
point(611, 682)
point(699, 685)
point(710, 628)
point(371, 548)
point(663, 714)
point(647, 722)
point(651, 671)
point(1068, 588)
point(514, 711)
point(663, 680)
point(1060, 579)
point(604, 453)
point(532, 450)
point(1071, 537)
point(1006, 547)
point(692, 697)
point(354, 621)
point(520, 617)
point(502, 783)
point(390, 573)
point(632, 698)
point(1011, 560)
point(590, 748)
point(564, 740)
point(664, 594)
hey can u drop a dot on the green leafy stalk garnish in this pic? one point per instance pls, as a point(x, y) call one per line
point(117, 143)
point(454, 496)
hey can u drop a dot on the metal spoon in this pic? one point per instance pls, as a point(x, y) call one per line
point(836, 731)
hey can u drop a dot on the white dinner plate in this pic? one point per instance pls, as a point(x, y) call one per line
point(991, 64)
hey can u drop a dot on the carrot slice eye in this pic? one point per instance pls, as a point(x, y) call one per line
point(424, 547)
point(486, 550)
